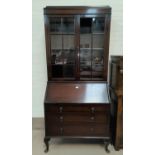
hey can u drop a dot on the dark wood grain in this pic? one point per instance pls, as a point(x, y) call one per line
point(116, 70)
point(76, 10)
point(116, 94)
point(67, 115)
point(119, 121)
point(77, 93)
point(106, 45)
point(73, 117)
point(72, 107)
point(78, 130)
point(47, 41)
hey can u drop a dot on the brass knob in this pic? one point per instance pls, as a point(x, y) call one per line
point(60, 109)
point(61, 118)
point(92, 109)
point(121, 71)
point(92, 118)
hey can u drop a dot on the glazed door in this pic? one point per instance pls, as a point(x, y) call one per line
point(78, 47)
point(62, 47)
point(92, 42)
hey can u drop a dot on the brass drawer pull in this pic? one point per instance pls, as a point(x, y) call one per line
point(121, 71)
point(92, 118)
point(92, 109)
point(61, 118)
point(60, 109)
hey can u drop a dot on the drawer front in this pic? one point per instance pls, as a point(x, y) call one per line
point(78, 130)
point(77, 120)
point(70, 117)
point(76, 108)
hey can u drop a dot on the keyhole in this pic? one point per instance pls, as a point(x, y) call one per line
point(77, 87)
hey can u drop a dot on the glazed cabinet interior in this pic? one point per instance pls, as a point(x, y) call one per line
point(77, 46)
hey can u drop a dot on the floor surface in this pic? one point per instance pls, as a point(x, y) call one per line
point(69, 147)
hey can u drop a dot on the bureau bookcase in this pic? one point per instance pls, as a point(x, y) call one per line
point(77, 103)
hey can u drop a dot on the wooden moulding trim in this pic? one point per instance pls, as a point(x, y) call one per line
point(103, 82)
point(81, 137)
point(77, 103)
point(76, 10)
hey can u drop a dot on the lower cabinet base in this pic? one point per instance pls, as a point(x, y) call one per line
point(69, 114)
point(107, 141)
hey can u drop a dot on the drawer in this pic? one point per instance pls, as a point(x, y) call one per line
point(59, 108)
point(78, 130)
point(69, 117)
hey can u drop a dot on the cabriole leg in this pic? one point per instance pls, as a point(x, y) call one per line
point(106, 143)
point(46, 140)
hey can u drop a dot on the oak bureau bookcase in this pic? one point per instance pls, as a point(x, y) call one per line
point(77, 103)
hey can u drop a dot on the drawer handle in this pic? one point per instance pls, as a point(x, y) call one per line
point(121, 71)
point(91, 129)
point(92, 109)
point(61, 118)
point(60, 109)
point(92, 118)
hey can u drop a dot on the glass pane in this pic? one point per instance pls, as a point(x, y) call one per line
point(97, 57)
point(57, 57)
point(56, 41)
point(97, 63)
point(85, 63)
point(69, 70)
point(69, 56)
point(85, 56)
point(85, 40)
point(85, 25)
point(68, 42)
point(55, 24)
point(98, 41)
point(57, 71)
point(68, 25)
point(97, 71)
point(97, 68)
point(85, 48)
point(98, 24)
point(85, 71)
